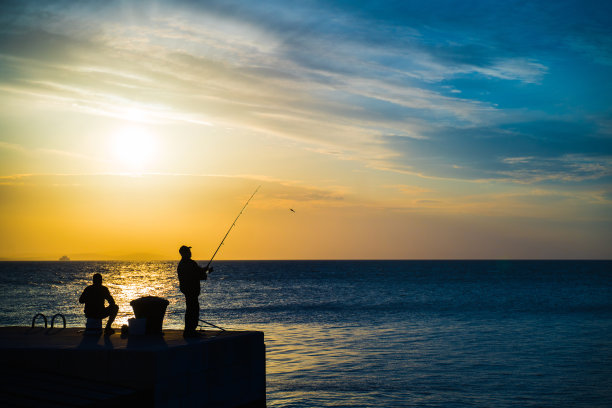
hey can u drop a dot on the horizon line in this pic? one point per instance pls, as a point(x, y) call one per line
point(311, 260)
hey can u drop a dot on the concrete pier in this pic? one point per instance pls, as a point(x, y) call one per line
point(64, 367)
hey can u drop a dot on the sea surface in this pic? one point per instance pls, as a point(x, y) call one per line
point(378, 333)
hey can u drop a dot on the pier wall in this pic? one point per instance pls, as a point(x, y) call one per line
point(223, 369)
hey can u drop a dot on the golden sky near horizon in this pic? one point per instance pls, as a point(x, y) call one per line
point(128, 129)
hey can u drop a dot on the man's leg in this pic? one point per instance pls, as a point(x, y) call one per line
point(93, 323)
point(112, 313)
point(192, 314)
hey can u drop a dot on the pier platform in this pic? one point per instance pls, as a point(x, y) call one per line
point(65, 367)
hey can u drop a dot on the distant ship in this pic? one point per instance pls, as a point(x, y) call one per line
point(64, 258)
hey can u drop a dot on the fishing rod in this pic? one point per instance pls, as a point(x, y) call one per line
point(232, 226)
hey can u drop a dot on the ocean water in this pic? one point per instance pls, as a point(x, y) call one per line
point(378, 333)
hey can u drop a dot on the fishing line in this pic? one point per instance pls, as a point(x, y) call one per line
point(232, 226)
point(200, 321)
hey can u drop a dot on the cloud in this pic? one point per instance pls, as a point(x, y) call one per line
point(12, 146)
point(522, 152)
point(567, 168)
point(38, 152)
point(376, 83)
point(273, 191)
point(410, 190)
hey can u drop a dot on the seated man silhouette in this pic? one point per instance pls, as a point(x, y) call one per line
point(94, 296)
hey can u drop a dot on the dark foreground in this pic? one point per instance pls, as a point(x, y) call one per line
point(64, 367)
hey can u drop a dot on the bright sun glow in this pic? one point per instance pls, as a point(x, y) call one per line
point(134, 147)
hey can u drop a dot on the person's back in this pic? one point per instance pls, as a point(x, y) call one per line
point(190, 274)
point(94, 296)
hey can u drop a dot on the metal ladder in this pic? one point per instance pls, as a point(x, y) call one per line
point(45, 319)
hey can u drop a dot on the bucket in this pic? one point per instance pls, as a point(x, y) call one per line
point(152, 309)
point(137, 327)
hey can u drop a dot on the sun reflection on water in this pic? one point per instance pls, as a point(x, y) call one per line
point(130, 281)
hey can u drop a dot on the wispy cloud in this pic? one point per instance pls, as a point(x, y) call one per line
point(37, 151)
point(275, 191)
point(568, 168)
point(401, 87)
point(12, 146)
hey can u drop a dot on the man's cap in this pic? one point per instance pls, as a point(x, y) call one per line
point(184, 248)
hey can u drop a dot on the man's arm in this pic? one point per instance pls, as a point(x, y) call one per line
point(108, 297)
point(84, 296)
point(204, 271)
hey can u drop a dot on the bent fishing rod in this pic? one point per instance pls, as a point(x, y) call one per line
point(232, 226)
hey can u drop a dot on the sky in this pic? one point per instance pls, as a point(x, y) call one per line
point(393, 129)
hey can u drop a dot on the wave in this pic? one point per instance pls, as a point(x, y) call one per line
point(417, 307)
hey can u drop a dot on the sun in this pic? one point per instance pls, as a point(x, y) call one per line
point(134, 147)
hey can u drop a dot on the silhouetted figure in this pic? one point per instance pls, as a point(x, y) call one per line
point(190, 274)
point(94, 296)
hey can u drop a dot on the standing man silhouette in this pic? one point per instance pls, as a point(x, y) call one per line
point(190, 274)
point(94, 296)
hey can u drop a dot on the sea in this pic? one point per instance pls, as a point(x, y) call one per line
point(377, 333)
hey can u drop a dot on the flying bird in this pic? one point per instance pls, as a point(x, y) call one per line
point(292, 210)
